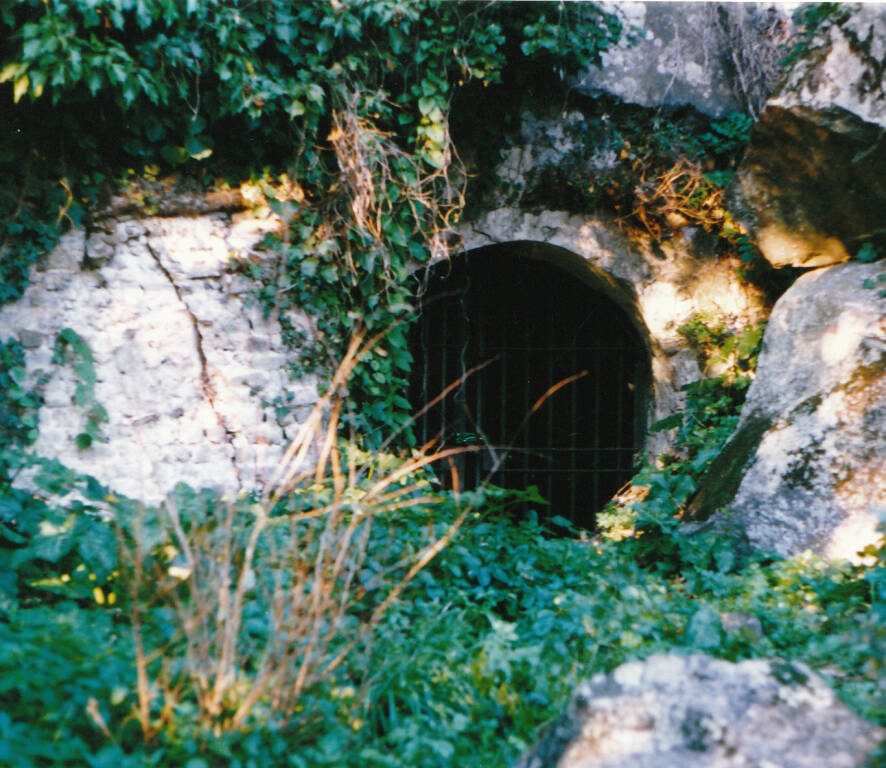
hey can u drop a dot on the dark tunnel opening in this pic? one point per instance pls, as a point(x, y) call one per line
point(536, 329)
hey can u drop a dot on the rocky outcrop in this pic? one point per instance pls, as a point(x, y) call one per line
point(716, 58)
point(674, 711)
point(189, 372)
point(810, 185)
point(806, 467)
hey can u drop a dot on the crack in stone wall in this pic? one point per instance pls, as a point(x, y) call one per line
point(193, 377)
point(205, 378)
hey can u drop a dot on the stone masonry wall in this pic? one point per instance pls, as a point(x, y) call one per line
point(187, 370)
point(190, 372)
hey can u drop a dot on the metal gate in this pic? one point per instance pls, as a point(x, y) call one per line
point(536, 331)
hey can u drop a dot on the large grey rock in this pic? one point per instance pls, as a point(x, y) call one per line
point(717, 58)
point(806, 467)
point(811, 184)
point(674, 711)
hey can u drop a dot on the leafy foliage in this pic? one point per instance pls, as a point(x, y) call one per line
point(468, 655)
point(69, 340)
point(872, 283)
point(21, 400)
point(713, 403)
point(869, 252)
point(649, 512)
point(19, 406)
point(482, 648)
point(344, 107)
point(809, 18)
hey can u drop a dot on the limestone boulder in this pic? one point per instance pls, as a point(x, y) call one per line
point(673, 711)
point(713, 57)
point(811, 184)
point(806, 467)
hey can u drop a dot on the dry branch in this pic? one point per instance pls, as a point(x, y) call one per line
point(305, 566)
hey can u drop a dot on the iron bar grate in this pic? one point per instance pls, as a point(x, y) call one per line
point(538, 325)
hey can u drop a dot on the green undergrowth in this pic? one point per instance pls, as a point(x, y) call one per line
point(119, 644)
point(532, 615)
point(648, 514)
point(479, 651)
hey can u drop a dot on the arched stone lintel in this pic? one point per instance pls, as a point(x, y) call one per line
point(599, 253)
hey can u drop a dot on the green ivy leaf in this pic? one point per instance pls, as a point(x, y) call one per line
point(436, 134)
point(11, 71)
point(426, 105)
point(434, 157)
point(20, 88)
point(69, 336)
point(53, 543)
point(86, 371)
point(174, 155)
point(197, 147)
point(97, 545)
point(669, 422)
point(94, 490)
point(868, 252)
point(309, 267)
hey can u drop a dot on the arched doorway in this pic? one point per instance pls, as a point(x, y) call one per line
point(558, 401)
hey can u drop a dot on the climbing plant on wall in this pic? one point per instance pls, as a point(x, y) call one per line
point(349, 100)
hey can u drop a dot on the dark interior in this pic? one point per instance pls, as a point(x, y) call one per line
point(534, 325)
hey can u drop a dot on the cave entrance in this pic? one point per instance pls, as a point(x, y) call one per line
point(525, 313)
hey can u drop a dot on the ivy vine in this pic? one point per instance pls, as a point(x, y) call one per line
point(68, 344)
point(345, 106)
point(19, 406)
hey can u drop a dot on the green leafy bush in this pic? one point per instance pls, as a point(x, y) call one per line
point(480, 650)
point(648, 514)
point(497, 632)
